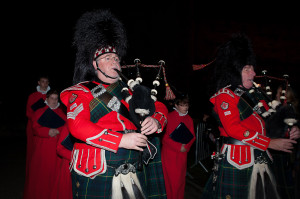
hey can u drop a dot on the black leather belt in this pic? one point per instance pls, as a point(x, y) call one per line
point(260, 156)
point(230, 140)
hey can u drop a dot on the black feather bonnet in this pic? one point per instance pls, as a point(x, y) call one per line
point(96, 31)
point(231, 58)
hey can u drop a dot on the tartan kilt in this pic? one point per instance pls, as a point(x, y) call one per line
point(154, 177)
point(230, 182)
point(151, 178)
point(282, 168)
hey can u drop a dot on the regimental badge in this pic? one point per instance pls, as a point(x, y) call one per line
point(224, 105)
point(72, 98)
point(227, 113)
point(246, 133)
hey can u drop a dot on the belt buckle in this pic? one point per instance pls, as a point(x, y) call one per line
point(125, 169)
point(260, 160)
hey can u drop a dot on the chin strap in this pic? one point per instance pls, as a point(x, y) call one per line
point(105, 73)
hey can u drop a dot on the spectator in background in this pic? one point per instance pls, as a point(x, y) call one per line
point(173, 153)
point(35, 101)
point(47, 124)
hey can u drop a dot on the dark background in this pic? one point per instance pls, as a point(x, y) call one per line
point(37, 39)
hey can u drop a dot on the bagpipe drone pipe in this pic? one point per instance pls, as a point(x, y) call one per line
point(141, 101)
point(280, 116)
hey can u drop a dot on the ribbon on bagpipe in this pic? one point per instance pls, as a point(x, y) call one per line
point(201, 66)
point(169, 93)
point(282, 115)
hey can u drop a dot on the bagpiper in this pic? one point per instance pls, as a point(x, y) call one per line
point(107, 144)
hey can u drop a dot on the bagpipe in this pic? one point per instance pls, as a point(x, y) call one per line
point(141, 101)
point(280, 115)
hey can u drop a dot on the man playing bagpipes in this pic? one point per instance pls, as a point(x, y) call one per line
point(241, 169)
point(107, 145)
point(283, 123)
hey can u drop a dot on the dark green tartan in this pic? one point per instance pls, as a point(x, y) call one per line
point(244, 109)
point(282, 169)
point(154, 178)
point(98, 109)
point(231, 181)
point(151, 177)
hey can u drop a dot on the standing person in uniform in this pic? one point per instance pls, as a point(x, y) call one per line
point(107, 146)
point(34, 102)
point(173, 153)
point(47, 124)
point(242, 170)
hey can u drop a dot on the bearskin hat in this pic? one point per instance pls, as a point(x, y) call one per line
point(231, 57)
point(96, 32)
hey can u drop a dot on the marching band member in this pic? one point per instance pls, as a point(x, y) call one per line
point(107, 145)
point(243, 164)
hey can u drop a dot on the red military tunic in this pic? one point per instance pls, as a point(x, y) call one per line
point(88, 157)
point(251, 131)
point(44, 162)
point(174, 162)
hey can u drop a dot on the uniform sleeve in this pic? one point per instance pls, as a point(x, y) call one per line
point(80, 126)
point(160, 115)
point(226, 108)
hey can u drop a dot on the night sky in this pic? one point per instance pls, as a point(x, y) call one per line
point(38, 40)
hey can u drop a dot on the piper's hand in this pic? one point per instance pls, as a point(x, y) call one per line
point(133, 141)
point(294, 133)
point(149, 126)
point(280, 144)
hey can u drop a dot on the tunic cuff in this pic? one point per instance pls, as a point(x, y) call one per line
point(162, 120)
point(108, 140)
point(258, 141)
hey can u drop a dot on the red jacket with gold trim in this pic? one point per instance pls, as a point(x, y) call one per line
point(251, 130)
point(88, 157)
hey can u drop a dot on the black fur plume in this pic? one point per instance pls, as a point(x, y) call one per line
point(231, 57)
point(96, 29)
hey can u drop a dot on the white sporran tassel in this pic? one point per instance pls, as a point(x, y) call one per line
point(116, 187)
point(261, 169)
point(125, 184)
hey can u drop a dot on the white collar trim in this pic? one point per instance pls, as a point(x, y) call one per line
point(58, 104)
point(38, 88)
point(181, 114)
